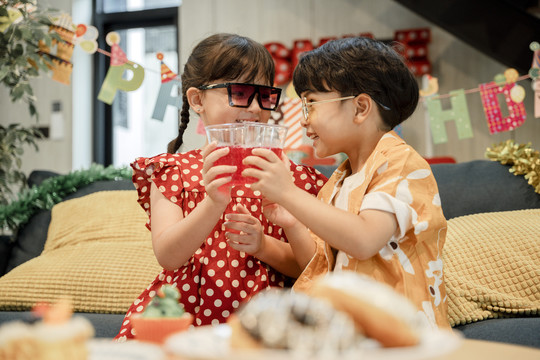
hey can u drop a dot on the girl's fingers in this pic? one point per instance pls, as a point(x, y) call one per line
point(242, 209)
point(207, 149)
point(239, 246)
point(215, 171)
point(211, 156)
point(242, 214)
point(245, 227)
point(221, 181)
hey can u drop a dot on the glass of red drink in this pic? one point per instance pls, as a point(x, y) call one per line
point(242, 138)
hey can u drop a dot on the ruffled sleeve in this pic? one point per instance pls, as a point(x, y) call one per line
point(164, 170)
point(308, 178)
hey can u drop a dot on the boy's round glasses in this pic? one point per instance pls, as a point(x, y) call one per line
point(242, 95)
point(306, 105)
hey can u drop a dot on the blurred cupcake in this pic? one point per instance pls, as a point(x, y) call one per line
point(55, 335)
point(163, 316)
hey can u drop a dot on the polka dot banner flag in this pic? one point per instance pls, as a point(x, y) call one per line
point(492, 108)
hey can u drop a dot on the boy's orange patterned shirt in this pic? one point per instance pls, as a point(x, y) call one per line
point(396, 179)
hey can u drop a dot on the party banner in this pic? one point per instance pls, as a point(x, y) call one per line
point(492, 108)
point(126, 75)
point(169, 81)
point(534, 73)
point(114, 80)
point(459, 113)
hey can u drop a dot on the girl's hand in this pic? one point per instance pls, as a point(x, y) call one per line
point(216, 187)
point(245, 232)
point(278, 215)
point(273, 174)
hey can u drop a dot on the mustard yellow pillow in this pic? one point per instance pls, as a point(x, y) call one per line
point(98, 252)
point(492, 266)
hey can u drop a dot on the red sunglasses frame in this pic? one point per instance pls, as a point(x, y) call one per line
point(256, 90)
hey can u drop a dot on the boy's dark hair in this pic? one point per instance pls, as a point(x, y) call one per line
point(357, 65)
point(226, 57)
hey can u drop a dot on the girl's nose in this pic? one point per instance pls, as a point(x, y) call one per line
point(254, 106)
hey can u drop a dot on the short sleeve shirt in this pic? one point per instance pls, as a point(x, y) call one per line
point(395, 179)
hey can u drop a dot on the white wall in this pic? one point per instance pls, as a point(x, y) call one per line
point(53, 155)
point(456, 64)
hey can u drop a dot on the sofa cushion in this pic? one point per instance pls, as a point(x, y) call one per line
point(31, 238)
point(520, 331)
point(482, 186)
point(98, 252)
point(492, 266)
point(105, 325)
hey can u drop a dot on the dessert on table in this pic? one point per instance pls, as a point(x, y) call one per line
point(345, 315)
point(55, 334)
point(163, 316)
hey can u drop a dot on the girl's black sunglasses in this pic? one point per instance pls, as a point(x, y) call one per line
point(242, 95)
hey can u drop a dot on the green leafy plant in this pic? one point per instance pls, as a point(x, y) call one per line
point(52, 190)
point(12, 140)
point(23, 23)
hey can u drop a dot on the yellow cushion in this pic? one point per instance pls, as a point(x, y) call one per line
point(492, 266)
point(98, 253)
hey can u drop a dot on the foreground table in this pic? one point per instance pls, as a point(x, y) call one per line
point(479, 349)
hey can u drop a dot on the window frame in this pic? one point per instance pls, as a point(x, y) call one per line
point(102, 127)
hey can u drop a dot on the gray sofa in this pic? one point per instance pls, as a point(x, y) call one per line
point(465, 188)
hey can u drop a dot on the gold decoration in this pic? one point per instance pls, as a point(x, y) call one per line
point(523, 159)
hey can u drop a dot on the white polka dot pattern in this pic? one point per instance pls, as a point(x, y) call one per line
point(217, 278)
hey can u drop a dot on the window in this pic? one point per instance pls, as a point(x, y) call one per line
point(125, 129)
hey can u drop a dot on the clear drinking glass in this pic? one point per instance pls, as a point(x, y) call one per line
point(242, 139)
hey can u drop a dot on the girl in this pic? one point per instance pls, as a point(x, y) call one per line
point(215, 262)
point(380, 212)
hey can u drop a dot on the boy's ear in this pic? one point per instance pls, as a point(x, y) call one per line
point(363, 107)
point(194, 98)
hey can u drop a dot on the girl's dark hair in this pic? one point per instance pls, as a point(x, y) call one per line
point(357, 65)
point(226, 57)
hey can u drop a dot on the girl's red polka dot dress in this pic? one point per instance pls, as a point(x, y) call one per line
point(217, 278)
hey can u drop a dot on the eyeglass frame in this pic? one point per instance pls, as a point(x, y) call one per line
point(257, 87)
point(305, 104)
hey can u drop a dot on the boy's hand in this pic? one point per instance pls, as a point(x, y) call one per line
point(278, 215)
point(245, 232)
point(273, 174)
point(216, 187)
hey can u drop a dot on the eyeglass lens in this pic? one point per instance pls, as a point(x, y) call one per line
point(243, 94)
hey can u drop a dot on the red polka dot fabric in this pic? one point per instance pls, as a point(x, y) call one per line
point(216, 279)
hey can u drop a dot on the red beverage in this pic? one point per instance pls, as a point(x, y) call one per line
point(234, 157)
